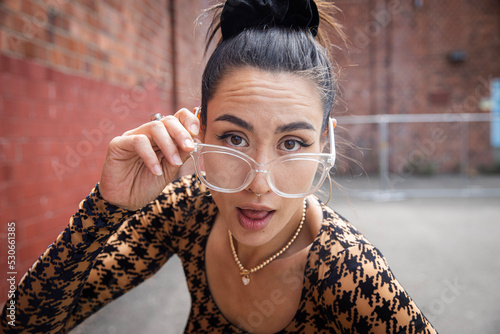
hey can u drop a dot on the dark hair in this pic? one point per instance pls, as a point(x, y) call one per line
point(276, 49)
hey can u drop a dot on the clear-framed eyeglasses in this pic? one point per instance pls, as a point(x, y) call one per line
point(294, 175)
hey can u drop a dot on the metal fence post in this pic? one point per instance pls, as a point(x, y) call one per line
point(464, 149)
point(383, 156)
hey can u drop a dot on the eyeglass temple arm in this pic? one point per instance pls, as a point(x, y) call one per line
point(197, 114)
point(331, 124)
point(197, 111)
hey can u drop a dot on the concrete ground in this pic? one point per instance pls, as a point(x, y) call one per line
point(444, 251)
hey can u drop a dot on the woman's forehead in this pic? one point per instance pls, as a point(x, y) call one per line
point(259, 95)
point(255, 82)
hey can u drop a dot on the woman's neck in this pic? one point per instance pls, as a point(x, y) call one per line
point(252, 256)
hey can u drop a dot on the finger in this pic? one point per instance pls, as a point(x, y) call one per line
point(189, 121)
point(178, 133)
point(157, 134)
point(142, 146)
point(160, 137)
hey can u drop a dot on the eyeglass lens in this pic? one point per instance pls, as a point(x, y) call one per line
point(230, 172)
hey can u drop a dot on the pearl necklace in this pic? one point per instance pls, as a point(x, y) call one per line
point(245, 273)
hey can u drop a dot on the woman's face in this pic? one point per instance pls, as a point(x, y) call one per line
point(265, 115)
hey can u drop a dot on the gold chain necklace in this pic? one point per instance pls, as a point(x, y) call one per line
point(245, 273)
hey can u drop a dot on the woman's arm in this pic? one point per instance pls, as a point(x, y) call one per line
point(361, 295)
point(46, 294)
point(138, 166)
point(92, 263)
point(139, 248)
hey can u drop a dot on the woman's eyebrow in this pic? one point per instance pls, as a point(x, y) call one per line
point(235, 120)
point(294, 126)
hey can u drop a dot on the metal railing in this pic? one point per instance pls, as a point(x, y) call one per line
point(385, 190)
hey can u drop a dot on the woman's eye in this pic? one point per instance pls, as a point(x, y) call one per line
point(235, 140)
point(290, 145)
point(232, 139)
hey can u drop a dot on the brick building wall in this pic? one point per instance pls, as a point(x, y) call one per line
point(398, 64)
point(73, 75)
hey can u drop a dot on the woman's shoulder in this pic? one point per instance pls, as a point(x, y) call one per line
point(337, 233)
point(340, 246)
point(184, 209)
point(186, 185)
point(355, 287)
point(185, 192)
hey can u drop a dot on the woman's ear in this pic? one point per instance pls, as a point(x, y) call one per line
point(201, 136)
point(324, 139)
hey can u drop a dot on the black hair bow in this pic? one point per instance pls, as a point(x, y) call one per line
point(240, 14)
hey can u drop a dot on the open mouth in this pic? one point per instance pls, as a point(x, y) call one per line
point(254, 220)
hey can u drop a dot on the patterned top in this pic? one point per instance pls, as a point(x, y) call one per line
point(105, 251)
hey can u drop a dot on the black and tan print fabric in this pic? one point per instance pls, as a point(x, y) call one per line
point(106, 251)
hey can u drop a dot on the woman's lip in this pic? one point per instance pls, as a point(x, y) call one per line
point(254, 220)
point(255, 207)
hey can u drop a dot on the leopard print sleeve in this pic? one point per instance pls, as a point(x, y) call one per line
point(359, 293)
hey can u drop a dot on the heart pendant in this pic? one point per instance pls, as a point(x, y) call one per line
point(246, 280)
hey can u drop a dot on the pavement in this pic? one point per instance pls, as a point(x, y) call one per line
point(443, 250)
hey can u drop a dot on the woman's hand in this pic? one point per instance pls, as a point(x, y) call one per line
point(141, 162)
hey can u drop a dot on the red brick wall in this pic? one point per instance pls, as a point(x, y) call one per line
point(398, 65)
point(189, 45)
point(74, 74)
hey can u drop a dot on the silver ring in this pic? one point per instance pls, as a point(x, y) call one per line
point(258, 195)
point(156, 117)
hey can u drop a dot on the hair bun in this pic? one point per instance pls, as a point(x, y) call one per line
point(238, 15)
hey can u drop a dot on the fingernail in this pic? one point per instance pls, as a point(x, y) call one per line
point(177, 159)
point(157, 170)
point(194, 129)
point(189, 143)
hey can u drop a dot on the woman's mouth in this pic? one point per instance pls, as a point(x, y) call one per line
point(254, 220)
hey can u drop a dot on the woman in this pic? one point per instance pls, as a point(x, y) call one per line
point(260, 253)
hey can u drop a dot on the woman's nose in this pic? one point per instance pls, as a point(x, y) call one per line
point(259, 184)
